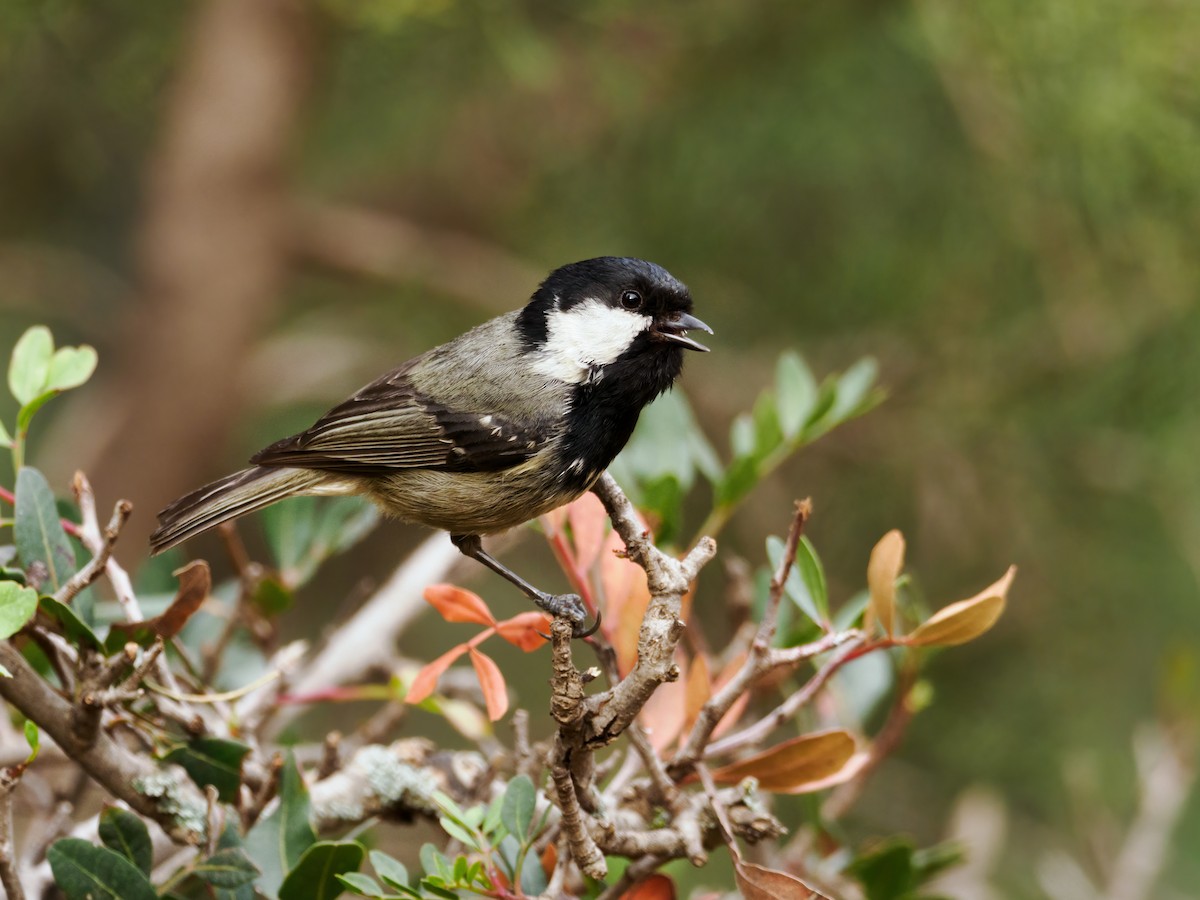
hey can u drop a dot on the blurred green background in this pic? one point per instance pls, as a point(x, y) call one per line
point(250, 207)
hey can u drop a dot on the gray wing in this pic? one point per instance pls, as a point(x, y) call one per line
point(390, 425)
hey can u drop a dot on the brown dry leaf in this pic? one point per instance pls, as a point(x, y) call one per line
point(759, 883)
point(458, 604)
point(522, 630)
point(887, 560)
point(965, 620)
point(195, 583)
point(795, 766)
point(491, 679)
point(426, 680)
point(587, 518)
point(656, 887)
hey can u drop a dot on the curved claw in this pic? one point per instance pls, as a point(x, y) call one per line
point(575, 632)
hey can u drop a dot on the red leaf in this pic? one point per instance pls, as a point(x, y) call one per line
point(587, 518)
point(758, 883)
point(495, 693)
point(522, 630)
point(458, 605)
point(656, 887)
point(426, 679)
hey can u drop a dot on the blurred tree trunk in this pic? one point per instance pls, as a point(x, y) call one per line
point(211, 254)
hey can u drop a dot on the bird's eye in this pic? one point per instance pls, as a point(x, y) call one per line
point(631, 300)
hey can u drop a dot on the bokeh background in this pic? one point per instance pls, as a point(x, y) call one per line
point(250, 207)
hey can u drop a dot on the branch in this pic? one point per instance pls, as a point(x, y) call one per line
point(611, 712)
point(159, 794)
point(9, 776)
point(789, 707)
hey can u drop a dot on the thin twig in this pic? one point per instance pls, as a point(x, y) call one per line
point(98, 564)
point(9, 776)
point(788, 708)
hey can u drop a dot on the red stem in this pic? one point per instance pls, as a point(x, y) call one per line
point(578, 579)
point(68, 526)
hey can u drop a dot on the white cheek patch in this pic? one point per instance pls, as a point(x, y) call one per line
point(589, 334)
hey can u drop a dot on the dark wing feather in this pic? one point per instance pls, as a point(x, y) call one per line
point(389, 425)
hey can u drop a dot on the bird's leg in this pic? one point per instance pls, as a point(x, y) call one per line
point(569, 605)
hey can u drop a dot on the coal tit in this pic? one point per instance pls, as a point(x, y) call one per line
point(500, 425)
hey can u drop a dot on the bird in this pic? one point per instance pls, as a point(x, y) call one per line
point(502, 424)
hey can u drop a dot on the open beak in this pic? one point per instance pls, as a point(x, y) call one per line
point(675, 330)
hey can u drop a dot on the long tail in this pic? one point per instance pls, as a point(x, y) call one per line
point(228, 498)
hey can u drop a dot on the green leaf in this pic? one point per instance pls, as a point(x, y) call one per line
point(303, 532)
point(812, 573)
point(5, 438)
point(886, 872)
point(492, 820)
point(122, 831)
point(795, 587)
point(33, 737)
point(854, 395)
point(271, 597)
point(278, 841)
point(433, 862)
point(741, 436)
point(767, 433)
point(229, 868)
point(365, 886)
point(70, 367)
point(520, 800)
point(533, 876)
point(84, 871)
point(315, 875)
point(739, 479)
point(17, 606)
point(37, 531)
point(796, 389)
point(214, 761)
point(392, 871)
point(71, 626)
point(458, 832)
point(29, 368)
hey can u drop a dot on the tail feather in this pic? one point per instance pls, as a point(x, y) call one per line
point(227, 498)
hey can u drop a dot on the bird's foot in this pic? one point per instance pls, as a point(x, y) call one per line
point(571, 607)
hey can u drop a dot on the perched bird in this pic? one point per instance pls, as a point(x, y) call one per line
point(500, 425)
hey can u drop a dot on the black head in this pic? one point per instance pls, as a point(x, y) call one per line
point(606, 305)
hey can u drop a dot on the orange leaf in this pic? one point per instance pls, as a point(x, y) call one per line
point(794, 766)
point(965, 620)
point(495, 693)
point(759, 883)
point(458, 605)
point(587, 518)
point(739, 705)
point(522, 630)
point(426, 680)
point(626, 597)
point(887, 559)
point(656, 887)
point(663, 714)
point(550, 858)
point(699, 689)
